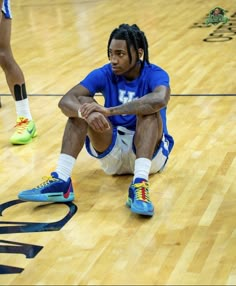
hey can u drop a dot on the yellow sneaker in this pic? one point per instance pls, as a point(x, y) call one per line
point(25, 131)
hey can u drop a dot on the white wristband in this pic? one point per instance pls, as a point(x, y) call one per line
point(79, 114)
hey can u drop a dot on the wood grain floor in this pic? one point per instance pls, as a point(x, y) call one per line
point(191, 240)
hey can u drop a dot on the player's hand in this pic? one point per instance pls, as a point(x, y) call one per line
point(97, 122)
point(87, 108)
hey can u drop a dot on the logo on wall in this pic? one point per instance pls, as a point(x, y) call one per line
point(216, 16)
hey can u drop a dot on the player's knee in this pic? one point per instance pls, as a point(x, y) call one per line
point(151, 123)
point(148, 117)
point(5, 59)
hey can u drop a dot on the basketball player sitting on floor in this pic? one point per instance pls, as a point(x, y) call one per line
point(128, 135)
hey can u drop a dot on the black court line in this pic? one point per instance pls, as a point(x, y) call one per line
point(233, 94)
point(215, 94)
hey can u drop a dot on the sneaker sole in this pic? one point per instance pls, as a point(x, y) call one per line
point(46, 198)
point(24, 142)
point(141, 213)
point(137, 211)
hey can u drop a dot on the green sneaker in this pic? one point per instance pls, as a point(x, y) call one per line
point(25, 131)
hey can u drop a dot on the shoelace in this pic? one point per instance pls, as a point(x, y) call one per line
point(47, 180)
point(141, 192)
point(21, 124)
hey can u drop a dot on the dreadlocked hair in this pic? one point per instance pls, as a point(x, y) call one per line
point(133, 37)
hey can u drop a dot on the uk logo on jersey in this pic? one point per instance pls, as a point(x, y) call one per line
point(126, 96)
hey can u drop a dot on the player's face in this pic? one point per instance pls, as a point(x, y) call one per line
point(119, 57)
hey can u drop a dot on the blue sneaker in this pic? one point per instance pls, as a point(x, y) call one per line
point(52, 190)
point(138, 199)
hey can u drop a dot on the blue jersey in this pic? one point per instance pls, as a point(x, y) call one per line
point(117, 90)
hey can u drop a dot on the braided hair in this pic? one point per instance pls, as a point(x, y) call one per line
point(133, 37)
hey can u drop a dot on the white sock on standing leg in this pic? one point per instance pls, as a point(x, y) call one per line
point(23, 109)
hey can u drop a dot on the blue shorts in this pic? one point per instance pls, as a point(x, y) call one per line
point(120, 156)
point(6, 9)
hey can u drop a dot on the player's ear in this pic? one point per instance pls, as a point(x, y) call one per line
point(140, 53)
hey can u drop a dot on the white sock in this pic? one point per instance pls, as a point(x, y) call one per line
point(142, 168)
point(65, 166)
point(23, 109)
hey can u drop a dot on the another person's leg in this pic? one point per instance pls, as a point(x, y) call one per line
point(25, 127)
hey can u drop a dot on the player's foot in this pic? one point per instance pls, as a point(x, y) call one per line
point(25, 131)
point(52, 189)
point(139, 200)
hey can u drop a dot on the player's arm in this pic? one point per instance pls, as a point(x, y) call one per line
point(148, 104)
point(71, 102)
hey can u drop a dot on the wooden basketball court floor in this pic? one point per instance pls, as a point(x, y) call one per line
point(96, 240)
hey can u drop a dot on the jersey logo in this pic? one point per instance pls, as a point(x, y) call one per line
point(125, 96)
